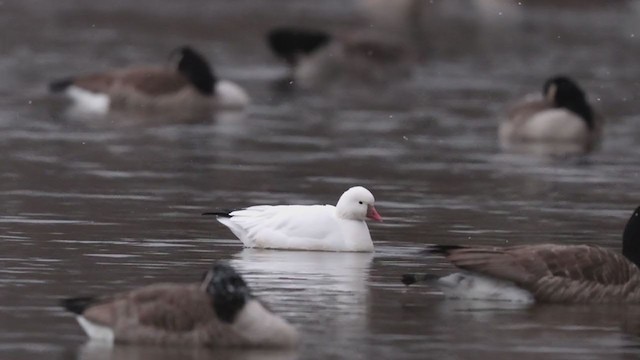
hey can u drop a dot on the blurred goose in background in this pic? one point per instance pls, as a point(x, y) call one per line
point(307, 227)
point(545, 272)
point(191, 85)
point(219, 312)
point(561, 122)
point(316, 56)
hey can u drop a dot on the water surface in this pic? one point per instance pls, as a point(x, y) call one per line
point(95, 205)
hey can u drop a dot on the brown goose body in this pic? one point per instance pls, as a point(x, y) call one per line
point(191, 85)
point(555, 273)
point(182, 314)
point(544, 272)
point(317, 57)
point(144, 87)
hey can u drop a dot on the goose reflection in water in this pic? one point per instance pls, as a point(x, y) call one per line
point(97, 350)
point(331, 286)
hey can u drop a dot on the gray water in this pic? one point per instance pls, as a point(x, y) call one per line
point(93, 205)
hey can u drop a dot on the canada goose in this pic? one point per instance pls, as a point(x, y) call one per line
point(219, 312)
point(192, 85)
point(545, 272)
point(562, 119)
point(306, 227)
point(316, 56)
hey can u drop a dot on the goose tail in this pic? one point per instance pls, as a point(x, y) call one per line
point(290, 43)
point(61, 85)
point(412, 278)
point(441, 249)
point(223, 213)
point(77, 305)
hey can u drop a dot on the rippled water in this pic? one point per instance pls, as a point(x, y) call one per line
point(92, 205)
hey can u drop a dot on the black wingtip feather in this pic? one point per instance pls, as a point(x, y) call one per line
point(77, 305)
point(441, 249)
point(218, 213)
point(409, 279)
point(60, 85)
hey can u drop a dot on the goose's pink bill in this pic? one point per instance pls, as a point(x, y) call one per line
point(373, 214)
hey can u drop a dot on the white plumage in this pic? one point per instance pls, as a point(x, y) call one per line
point(95, 331)
point(316, 227)
point(88, 102)
point(551, 125)
point(230, 95)
point(479, 287)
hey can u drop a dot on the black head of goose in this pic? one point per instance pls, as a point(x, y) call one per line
point(561, 119)
point(562, 92)
point(545, 272)
point(191, 84)
point(196, 69)
point(317, 57)
point(290, 43)
point(218, 312)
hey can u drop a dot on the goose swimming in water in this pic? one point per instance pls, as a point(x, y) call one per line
point(315, 56)
point(219, 312)
point(191, 85)
point(545, 272)
point(558, 123)
point(307, 227)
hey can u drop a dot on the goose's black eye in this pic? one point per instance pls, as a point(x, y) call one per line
point(360, 202)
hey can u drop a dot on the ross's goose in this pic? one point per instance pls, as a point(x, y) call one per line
point(307, 227)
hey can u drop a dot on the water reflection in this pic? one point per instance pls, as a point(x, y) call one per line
point(342, 276)
point(480, 307)
point(79, 194)
point(95, 350)
point(547, 150)
point(117, 118)
point(336, 284)
point(536, 330)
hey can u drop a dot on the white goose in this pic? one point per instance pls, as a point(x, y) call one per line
point(312, 227)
